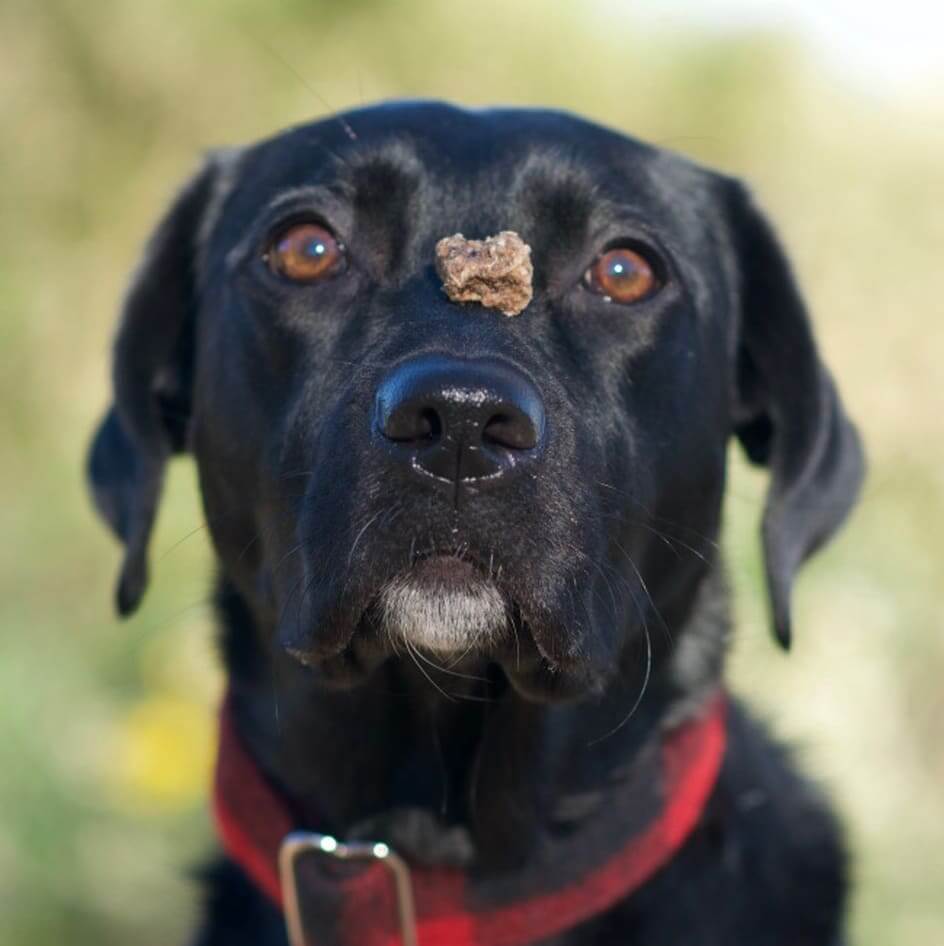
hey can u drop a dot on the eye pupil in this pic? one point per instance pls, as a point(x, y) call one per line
point(305, 252)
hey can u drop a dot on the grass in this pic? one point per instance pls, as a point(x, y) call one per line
point(105, 730)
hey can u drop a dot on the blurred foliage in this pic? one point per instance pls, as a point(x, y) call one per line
point(106, 731)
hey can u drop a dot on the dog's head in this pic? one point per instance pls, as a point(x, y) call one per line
point(383, 468)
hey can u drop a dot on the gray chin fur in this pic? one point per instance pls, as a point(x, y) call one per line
point(442, 619)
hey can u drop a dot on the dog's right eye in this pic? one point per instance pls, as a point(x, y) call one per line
point(305, 252)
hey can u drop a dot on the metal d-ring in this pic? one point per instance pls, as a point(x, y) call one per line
point(302, 842)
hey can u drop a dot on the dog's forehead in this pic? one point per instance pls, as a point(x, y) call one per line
point(457, 156)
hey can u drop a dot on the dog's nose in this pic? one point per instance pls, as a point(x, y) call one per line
point(460, 419)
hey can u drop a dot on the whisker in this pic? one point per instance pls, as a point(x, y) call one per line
point(452, 673)
point(413, 654)
point(645, 588)
point(642, 693)
point(360, 535)
point(179, 542)
point(348, 130)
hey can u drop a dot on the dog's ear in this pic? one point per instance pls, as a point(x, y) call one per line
point(152, 373)
point(787, 412)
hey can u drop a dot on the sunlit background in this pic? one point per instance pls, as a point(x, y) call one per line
point(836, 117)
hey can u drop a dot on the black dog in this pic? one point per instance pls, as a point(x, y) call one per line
point(472, 606)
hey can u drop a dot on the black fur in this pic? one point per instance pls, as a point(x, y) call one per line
point(606, 555)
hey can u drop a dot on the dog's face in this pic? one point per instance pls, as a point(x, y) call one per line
point(384, 469)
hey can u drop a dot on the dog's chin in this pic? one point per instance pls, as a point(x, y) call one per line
point(445, 606)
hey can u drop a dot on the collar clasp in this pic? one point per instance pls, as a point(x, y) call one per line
point(298, 843)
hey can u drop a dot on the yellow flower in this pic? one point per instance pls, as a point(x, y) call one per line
point(164, 753)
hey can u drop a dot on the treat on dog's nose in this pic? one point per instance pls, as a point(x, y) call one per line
point(496, 271)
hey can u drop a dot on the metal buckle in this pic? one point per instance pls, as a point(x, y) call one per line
point(301, 842)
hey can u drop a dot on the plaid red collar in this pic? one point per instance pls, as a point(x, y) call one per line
point(572, 879)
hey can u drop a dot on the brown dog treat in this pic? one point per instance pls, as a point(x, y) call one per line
point(496, 271)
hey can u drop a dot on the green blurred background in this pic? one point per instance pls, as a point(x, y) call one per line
point(106, 730)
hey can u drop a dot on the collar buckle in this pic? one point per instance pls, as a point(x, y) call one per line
point(301, 842)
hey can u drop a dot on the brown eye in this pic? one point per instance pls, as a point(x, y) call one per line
point(622, 275)
point(305, 252)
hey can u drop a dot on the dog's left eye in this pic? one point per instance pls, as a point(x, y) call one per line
point(305, 252)
point(622, 275)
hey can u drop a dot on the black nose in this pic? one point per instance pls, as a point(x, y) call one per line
point(460, 419)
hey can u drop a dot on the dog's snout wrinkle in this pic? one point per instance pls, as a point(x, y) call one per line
point(460, 419)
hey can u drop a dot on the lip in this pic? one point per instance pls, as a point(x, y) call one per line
point(445, 569)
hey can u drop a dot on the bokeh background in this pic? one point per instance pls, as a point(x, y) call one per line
point(836, 118)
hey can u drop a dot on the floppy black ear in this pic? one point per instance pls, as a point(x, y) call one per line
point(152, 373)
point(787, 415)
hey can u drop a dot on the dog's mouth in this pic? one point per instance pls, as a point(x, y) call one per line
point(454, 613)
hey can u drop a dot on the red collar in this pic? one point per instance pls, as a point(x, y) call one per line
point(458, 909)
